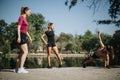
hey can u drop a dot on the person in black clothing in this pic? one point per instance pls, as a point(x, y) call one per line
point(103, 52)
point(51, 44)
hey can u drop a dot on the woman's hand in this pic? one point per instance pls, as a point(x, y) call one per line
point(47, 44)
point(30, 41)
point(19, 40)
point(98, 32)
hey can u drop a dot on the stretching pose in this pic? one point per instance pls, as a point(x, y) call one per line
point(103, 52)
point(51, 44)
point(21, 39)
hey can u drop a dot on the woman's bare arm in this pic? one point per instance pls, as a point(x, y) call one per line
point(42, 37)
point(18, 32)
point(100, 40)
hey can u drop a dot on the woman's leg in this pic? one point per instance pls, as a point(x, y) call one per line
point(18, 61)
point(48, 56)
point(88, 60)
point(106, 59)
point(55, 49)
point(24, 49)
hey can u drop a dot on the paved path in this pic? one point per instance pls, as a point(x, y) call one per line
point(69, 73)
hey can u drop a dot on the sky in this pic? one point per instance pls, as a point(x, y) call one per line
point(76, 21)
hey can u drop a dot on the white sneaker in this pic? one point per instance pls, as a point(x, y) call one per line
point(22, 70)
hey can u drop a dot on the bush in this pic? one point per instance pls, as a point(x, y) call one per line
point(32, 63)
point(67, 62)
point(5, 57)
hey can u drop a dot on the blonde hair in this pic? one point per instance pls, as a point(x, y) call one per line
point(23, 9)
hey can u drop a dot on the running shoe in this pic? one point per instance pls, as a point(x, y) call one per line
point(22, 70)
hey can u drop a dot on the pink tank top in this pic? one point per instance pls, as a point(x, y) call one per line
point(23, 23)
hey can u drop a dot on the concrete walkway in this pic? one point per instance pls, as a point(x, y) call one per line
point(69, 73)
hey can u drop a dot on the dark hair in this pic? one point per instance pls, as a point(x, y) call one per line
point(49, 24)
point(23, 9)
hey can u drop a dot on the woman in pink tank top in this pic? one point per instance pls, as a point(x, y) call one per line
point(21, 39)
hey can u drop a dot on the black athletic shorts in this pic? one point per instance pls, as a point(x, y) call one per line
point(23, 38)
point(94, 56)
point(51, 44)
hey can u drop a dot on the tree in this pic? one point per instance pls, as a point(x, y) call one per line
point(63, 40)
point(88, 33)
point(3, 33)
point(78, 43)
point(89, 41)
point(37, 21)
point(113, 11)
point(36, 28)
point(69, 47)
point(107, 39)
point(12, 34)
point(116, 45)
point(5, 40)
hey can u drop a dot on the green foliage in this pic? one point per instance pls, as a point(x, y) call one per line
point(3, 30)
point(88, 33)
point(5, 57)
point(4, 45)
point(116, 45)
point(6, 49)
point(114, 7)
point(115, 22)
point(69, 47)
point(63, 40)
point(32, 63)
point(113, 10)
point(37, 21)
point(73, 3)
point(8, 33)
point(44, 63)
point(89, 41)
point(67, 43)
point(36, 28)
point(89, 44)
point(107, 39)
point(72, 62)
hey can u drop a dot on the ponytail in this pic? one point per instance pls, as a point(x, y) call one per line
point(23, 9)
